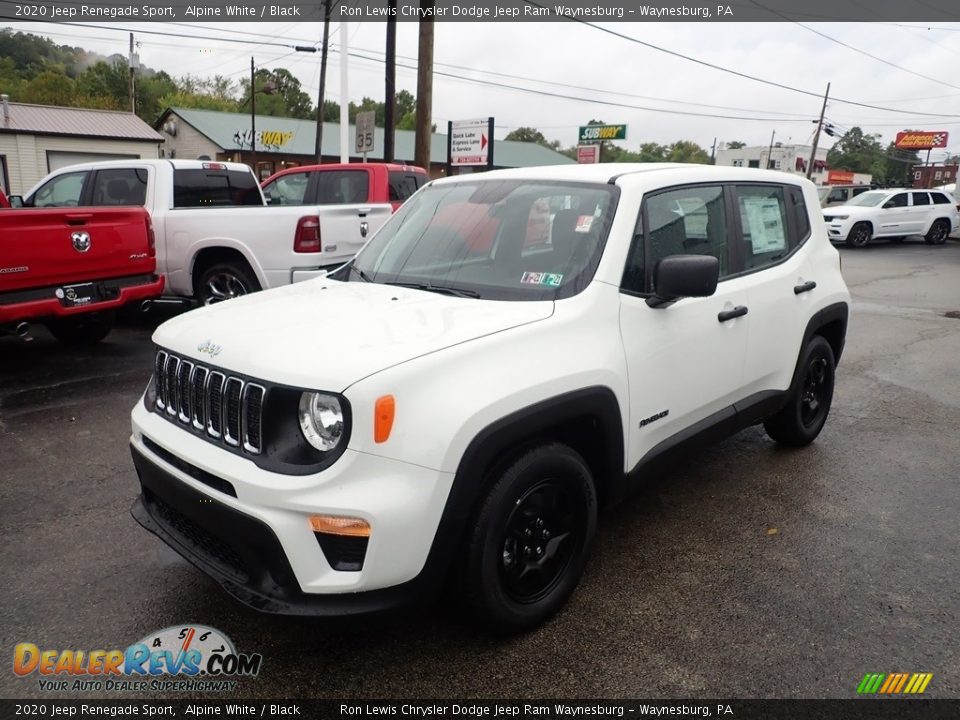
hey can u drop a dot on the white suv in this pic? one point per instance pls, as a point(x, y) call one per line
point(462, 396)
point(893, 214)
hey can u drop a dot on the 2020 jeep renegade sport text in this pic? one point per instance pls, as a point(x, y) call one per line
point(510, 351)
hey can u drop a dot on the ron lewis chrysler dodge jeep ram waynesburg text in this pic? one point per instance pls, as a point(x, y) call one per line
point(509, 352)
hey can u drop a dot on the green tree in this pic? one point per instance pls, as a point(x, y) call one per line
point(285, 99)
point(652, 152)
point(685, 151)
point(735, 145)
point(858, 152)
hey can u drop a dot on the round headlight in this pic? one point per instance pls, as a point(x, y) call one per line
point(321, 420)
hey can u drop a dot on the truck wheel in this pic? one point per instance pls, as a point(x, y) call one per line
point(224, 281)
point(937, 235)
point(800, 421)
point(859, 235)
point(82, 329)
point(531, 539)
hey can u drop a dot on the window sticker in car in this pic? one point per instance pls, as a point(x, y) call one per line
point(539, 278)
point(765, 223)
point(584, 223)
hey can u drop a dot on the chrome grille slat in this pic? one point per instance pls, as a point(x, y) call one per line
point(252, 412)
point(232, 392)
point(173, 365)
point(198, 404)
point(184, 396)
point(225, 409)
point(214, 404)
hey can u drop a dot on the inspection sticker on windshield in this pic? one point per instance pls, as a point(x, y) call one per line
point(584, 223)
point(534, 278)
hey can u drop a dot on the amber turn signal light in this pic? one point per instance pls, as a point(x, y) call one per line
point(340, 525)
point(383, 412)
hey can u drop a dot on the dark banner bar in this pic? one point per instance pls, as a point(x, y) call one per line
point(99, 11)
point(859, 709)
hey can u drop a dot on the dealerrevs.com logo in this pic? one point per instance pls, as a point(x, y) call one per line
point(190, 658)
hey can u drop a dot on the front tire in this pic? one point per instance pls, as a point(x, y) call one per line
point(87, 329)
point(531, 539)
point(859, 235)
point(224, 281)
point(938, 233)
point(802, 418)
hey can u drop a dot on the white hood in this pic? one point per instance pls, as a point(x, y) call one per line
point(327, 335)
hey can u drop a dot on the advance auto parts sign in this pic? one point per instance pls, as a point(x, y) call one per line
point(921, 140)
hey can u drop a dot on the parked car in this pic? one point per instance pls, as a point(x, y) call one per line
point(216, 239)
point(893, 213)
point(345, 184)
point(440, 406)
point(839, 194)
point(4, 203)
point(69, 268)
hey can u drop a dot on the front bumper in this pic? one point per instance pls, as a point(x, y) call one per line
point(249, 530)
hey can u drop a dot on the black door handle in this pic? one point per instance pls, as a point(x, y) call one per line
point(738, 311)
point(806, 287)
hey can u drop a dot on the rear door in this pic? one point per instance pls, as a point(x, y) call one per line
point(920, 212)
point(42, 248)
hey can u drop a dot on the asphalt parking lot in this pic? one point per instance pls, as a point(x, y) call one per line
point(746, 571)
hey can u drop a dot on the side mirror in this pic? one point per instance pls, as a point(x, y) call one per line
point(680, 276)
point(16, 201)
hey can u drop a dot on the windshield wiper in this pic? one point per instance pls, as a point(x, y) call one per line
point(361, 273)
point(443, 289)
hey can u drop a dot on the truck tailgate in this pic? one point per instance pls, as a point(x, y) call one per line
point(54, 246)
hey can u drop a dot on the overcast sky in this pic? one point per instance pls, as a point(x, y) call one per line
point(583, 64)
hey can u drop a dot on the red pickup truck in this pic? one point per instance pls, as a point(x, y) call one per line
point(69, 268)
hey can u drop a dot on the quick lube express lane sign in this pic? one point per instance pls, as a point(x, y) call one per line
point(469, 142)
point(598, 133)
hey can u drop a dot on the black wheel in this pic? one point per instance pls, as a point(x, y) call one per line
point(800, 421)
point(224, 281)
point(938, 233)
point(531, 539)
point(83, 329)
point(859, 235)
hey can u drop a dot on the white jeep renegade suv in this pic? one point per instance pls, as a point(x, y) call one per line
point(509, 352)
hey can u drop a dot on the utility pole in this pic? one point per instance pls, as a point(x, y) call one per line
point(133, 96)
point(425, 88)
point(713, 152)
point(344, 95)
point(816, 137)
point(318, 145)
point(391, 82)
point(770, 150)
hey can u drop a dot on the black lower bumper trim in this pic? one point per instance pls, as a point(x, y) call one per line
point(243, 554)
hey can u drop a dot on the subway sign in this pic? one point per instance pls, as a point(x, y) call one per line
point(598, 133)
point(921, 140)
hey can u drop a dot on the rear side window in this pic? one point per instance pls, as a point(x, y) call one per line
point(921, 199)
point(214, 188)
point(404, 184)
point(120, 186)
point(801, 218)
point(940, 199)
point(343, 187)
point(763, 222)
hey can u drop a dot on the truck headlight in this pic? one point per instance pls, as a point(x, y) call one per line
point(321, 420)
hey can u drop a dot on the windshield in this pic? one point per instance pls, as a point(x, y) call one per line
point(869, 199)
point(822, 192)
point(494, 239)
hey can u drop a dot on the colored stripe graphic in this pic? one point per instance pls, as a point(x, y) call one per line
point(894, 683)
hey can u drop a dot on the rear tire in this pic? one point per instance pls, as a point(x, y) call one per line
point(530, 540)
point(802, 417)
point(86, 329)
point(938, 233)
point(224, 281)
point(859, 235)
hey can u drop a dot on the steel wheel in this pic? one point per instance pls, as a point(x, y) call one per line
point(816, 390)
point(541, 537)
point(808, 402)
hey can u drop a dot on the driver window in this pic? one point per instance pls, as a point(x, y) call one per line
point(897, 201)
point(63, 191)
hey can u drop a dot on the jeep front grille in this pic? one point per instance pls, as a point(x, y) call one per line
point(225, 409)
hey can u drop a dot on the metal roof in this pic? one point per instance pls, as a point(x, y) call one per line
point(222, 127)
point(82, 122)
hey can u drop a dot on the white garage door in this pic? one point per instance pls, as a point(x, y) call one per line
point(57, 159)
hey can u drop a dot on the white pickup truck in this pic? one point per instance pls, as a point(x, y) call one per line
point(216, 237)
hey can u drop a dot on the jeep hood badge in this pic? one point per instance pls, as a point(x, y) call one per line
point(209, 348)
